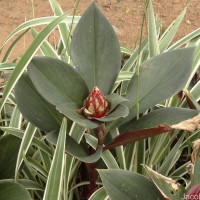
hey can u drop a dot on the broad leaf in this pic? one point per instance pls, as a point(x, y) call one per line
point(95, 50)
point(99, 194)
point(75, 149)
point(160, 116)
point(106, 156)
point(121, 184)
point(57, 81)
point(71, 110)
point(114, 100)
point(36, 141)
point(9, 147)
point(28, 184)
point(118, 112)
point(13, 191)
point(136, 135)
point(34, 107)
point(169, 188)
point(160, 78)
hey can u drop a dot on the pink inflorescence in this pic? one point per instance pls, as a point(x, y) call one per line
point(96, 104)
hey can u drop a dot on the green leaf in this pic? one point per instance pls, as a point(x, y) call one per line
point(36, 167)
point(114, 100)
point(9, 147)
point(118, 112)
point(25, 144)
point(121, 184)
point(169, 34)
point(76, 132)
point(120, 153)
point(70, 110)
point(172, 157)
point(46, 47)
point(38, 22)
point(124, 76)
point(19, 69)
point(134, 56)
point(95, 50)
point(36, 141)
point(195, 177)
point(16, 118)
point(99, 194)
point(11, 47)
point(194, 92)
point(13, 191)
point(196, 62)
point(106, 156)
point(185, 40)
point(54, 181)
point(28, 184)
point(165, 75)
point(34, 107)
point(63, 28)
point(169, 188)
point(160, 116)
point(7, 66)
point(75, 149)
point(152, 36)
point(57, 81)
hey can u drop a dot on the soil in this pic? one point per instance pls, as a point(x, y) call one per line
point(125, 15)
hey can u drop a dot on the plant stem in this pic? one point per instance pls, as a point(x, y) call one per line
point(101, 134)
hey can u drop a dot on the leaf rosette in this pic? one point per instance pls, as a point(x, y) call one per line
point(95, 66)
point(82, 89)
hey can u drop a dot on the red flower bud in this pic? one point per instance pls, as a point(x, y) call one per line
point(96, 104)
point(193, 193)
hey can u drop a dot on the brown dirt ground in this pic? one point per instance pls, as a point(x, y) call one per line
point(126, 15)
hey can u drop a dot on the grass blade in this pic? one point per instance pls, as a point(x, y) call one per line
point(19, 133)
point(7, 66)
point(124, 75)
point(185, 39)
point(46, 48)
point(55, 178)
point(100, 194)
point(16, 118)
point(196, 63)
point(152, 36)
point(38, 22)
point(8, 52)
point(169, 34)
point(17, 72)
point(63, 28)
point(119, 150)
point(25, 144)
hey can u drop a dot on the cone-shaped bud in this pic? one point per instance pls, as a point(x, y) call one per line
point(193, 193)
point(96, 104)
